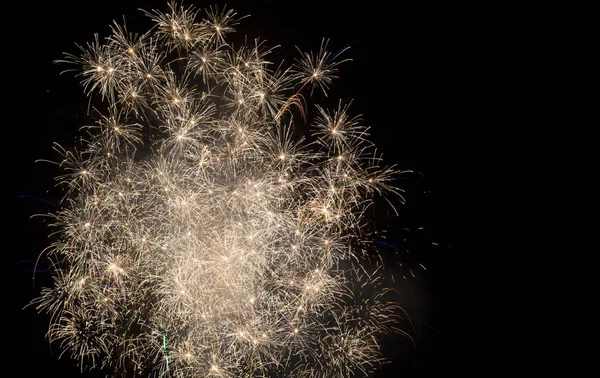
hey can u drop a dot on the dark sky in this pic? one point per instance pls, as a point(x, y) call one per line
point(407, 79)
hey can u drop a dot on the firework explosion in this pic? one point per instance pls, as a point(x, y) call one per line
point(200, 233)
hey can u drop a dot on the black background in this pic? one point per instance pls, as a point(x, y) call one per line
point(414, 76)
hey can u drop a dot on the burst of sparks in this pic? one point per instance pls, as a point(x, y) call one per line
point(199, 235)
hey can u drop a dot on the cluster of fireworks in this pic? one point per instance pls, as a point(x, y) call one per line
point(201, 234)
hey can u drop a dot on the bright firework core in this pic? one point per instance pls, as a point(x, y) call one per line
point(199, 235)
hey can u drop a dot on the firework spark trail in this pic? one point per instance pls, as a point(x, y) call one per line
point(225, 245)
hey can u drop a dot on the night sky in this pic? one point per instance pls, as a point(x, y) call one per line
point(405, 78)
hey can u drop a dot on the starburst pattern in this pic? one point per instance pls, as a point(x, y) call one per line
point(201, 234)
